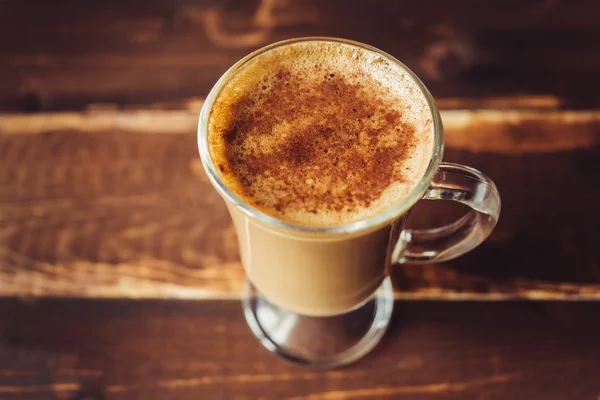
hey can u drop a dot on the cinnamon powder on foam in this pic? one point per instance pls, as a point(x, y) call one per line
point(320, 133)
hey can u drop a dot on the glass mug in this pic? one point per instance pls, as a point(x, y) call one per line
point(322, 296)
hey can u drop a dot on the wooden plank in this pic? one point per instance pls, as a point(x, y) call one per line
point(116, 204)
point(490, 54)
point(82, 349)
point(472, 130)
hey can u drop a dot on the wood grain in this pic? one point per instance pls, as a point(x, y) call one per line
point(472, 130)
point(82, 349)
point(66, 54)
point(103, 196)
point(116, 204)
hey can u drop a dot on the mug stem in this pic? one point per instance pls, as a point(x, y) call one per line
point(319, 342)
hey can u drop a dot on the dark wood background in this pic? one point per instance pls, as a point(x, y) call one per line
point(66, 54)
point(118, 263)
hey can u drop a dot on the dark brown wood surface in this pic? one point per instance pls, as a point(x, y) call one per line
point(65, 54)
point(84, 349)
point(103, 201)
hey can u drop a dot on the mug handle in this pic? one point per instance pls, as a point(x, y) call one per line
point(467, 186)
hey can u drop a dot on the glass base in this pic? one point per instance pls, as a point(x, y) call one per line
point(322, 342)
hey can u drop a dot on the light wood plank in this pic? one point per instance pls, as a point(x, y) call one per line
point(115, 204)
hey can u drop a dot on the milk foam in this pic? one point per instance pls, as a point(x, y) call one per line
point(321, 133)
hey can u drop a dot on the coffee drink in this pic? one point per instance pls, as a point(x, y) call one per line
point(320, 147)
point(319, 133)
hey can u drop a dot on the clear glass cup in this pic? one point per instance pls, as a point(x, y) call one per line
point(322, 296)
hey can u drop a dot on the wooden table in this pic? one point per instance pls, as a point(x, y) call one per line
point(119, 271)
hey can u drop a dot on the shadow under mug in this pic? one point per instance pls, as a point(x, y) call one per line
point(322, 296)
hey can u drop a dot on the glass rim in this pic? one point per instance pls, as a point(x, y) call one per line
point(386, 216)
